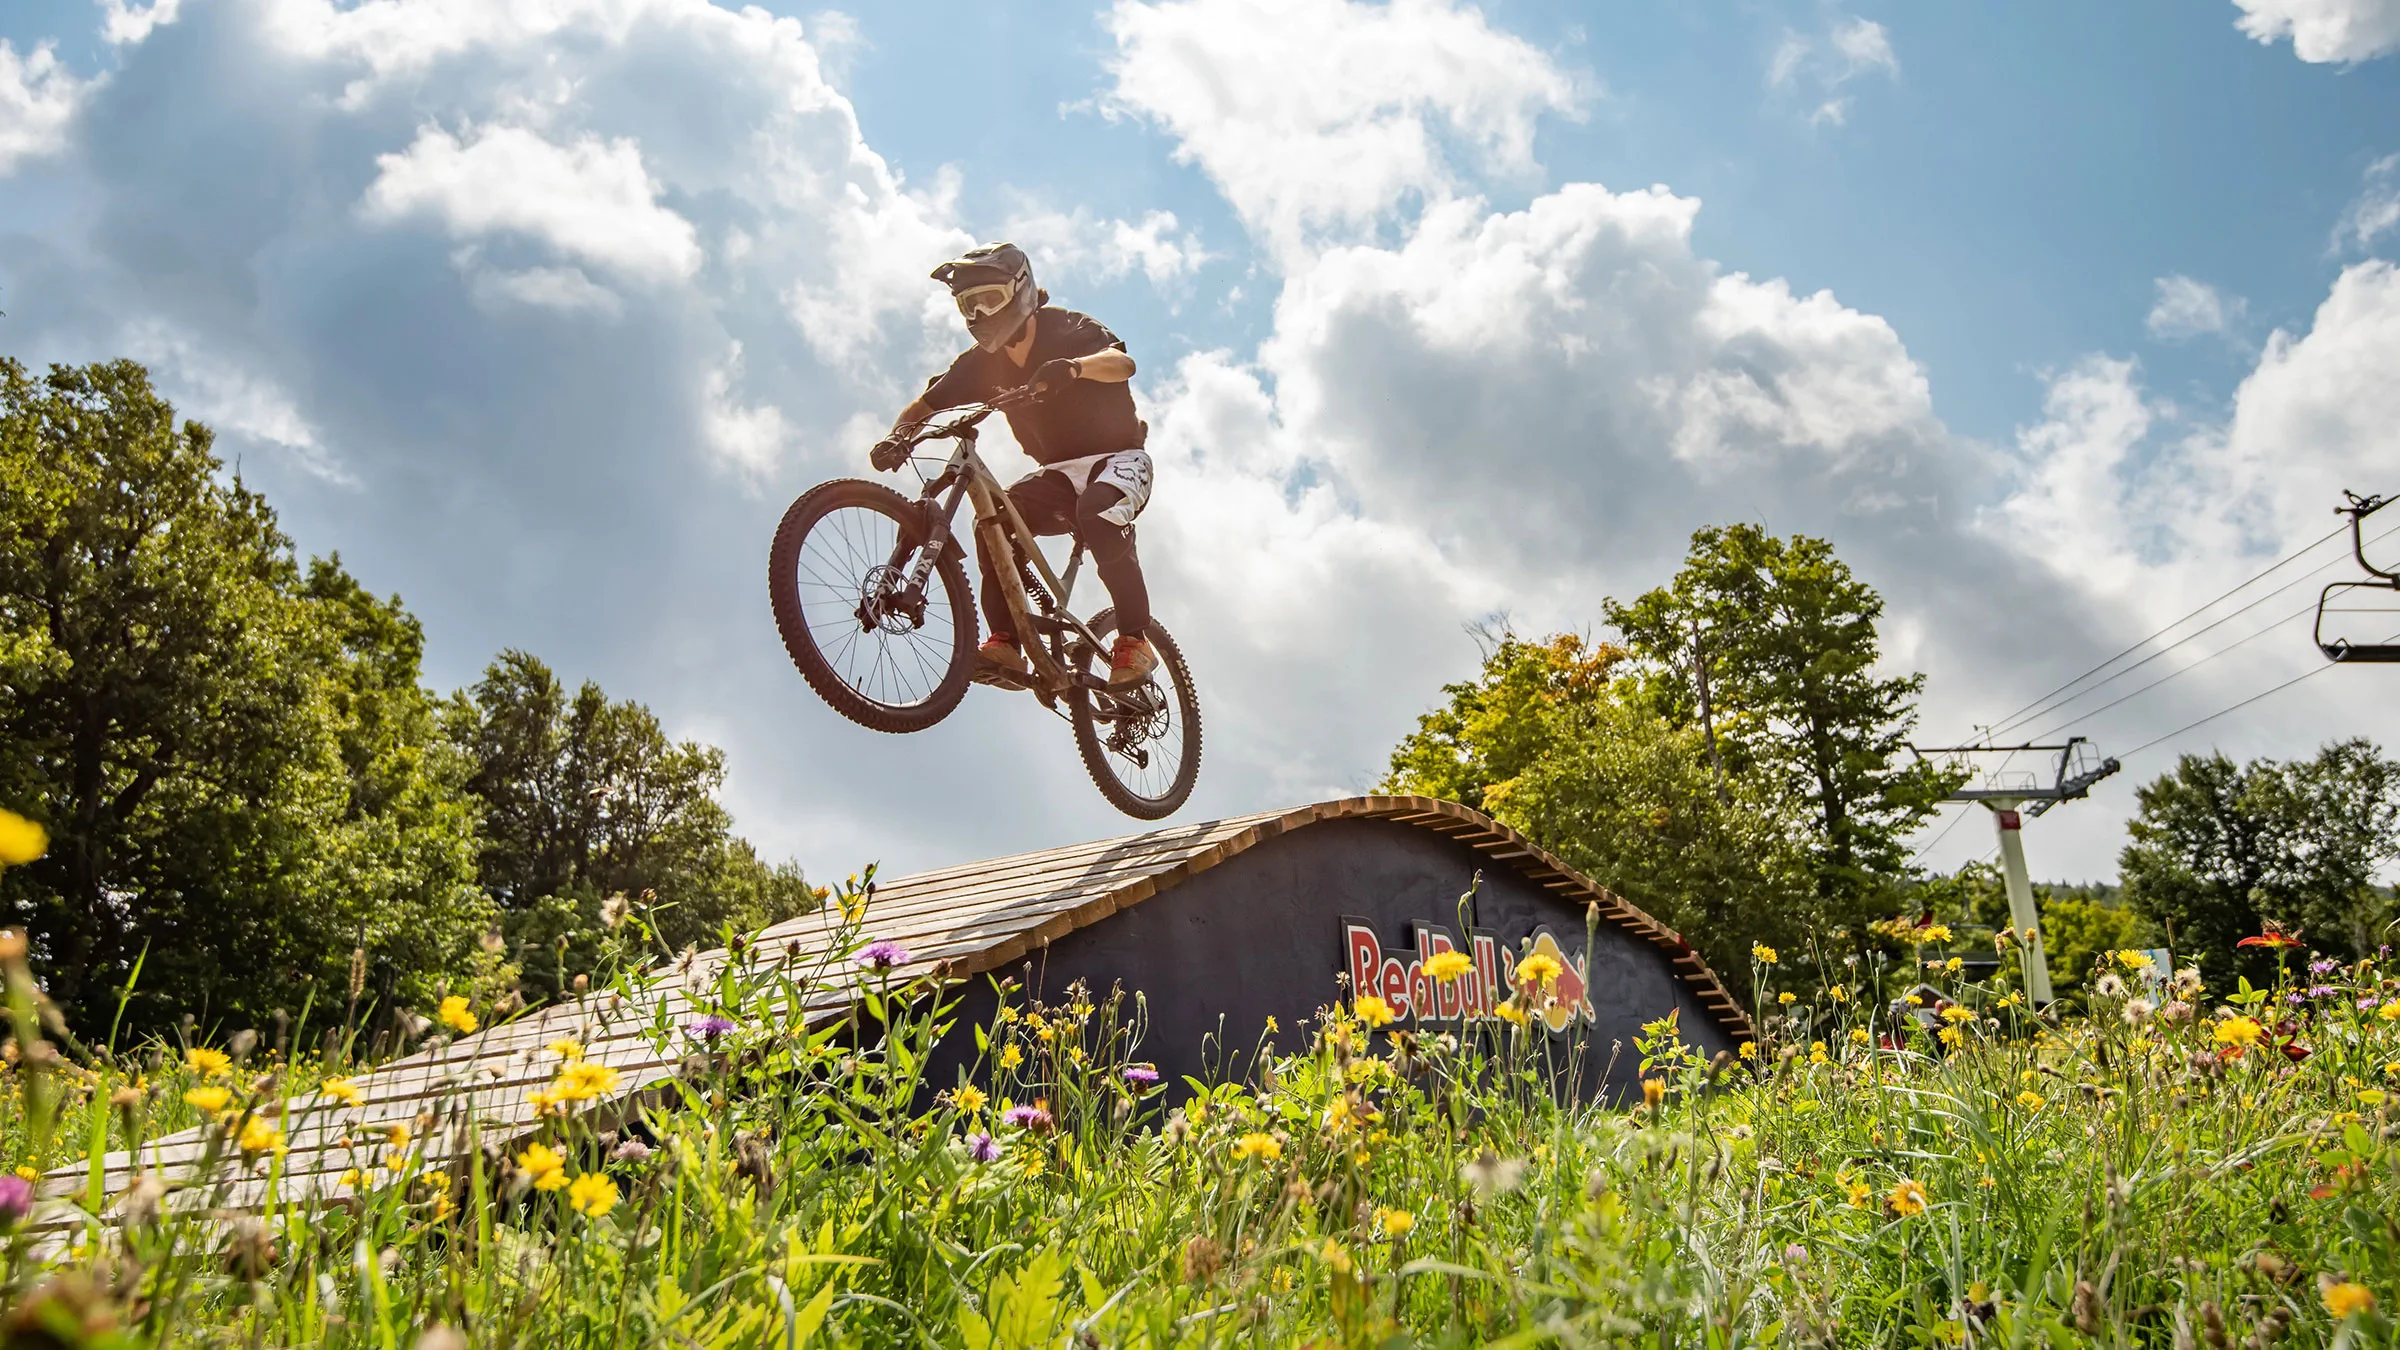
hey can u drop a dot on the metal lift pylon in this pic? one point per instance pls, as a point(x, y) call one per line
point(2009, 804)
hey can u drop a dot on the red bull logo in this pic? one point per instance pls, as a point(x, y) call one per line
point(1399, 975)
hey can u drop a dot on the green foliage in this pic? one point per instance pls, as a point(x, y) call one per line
point(2080, 924)
point(1782, 638)
point(585, 798)
point(1546, 743)
point(2141, 1176)
point(233, 759)
point(2219, 851)
point(251, 795)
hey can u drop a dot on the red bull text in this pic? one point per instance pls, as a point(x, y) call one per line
point(1397, 975)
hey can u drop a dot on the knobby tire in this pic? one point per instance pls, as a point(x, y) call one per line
point(1091, 733)
point(783, 589)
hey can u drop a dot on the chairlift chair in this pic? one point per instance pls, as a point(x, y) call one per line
point(2384, 590)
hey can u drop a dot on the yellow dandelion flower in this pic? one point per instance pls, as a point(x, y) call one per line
point(2031, 1100)
point(1952, 1036)
point(1011, 1055)
point(1394, 1224)
point(967, 1097)
point(1839, 993)
point(2390, 1011)
point(1373, 1011)
point(1787, 998)
point(2239, 1030)
point(1510, 1011)
point(207, 1063)
point(592, 1194)
point(207, 1100)
point(566, 1047)
point(1859, 1036)
point(2134, 960)
point(1939, 932)
point(1958, 1013)
point(1257, 1146)
point(1272, 1025)
point(545, 1103)
point(583, 1080)
point(1859, 1193)
point(1906, 1198)
point(1540, 969)
point(21, 840)
point(1448, 966)
point(1955, 964)
point(2344, 1297)
point(548, 1169)
point(1763, 954)
point(258, 1136)
point(1654, 1091)
point(454, 1014)
point(1333, 1255)
point(341, 1092)
point(1749, 1049)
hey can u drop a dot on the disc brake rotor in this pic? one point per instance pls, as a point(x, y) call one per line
point(885, 601)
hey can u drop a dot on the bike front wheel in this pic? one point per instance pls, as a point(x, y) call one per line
point(1142, 744)
point(884, 654)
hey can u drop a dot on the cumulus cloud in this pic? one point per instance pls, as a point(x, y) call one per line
point(2186, 308)
point(1077, 243)
point(2341, 31)
point(590, 199)
point(121, 23)
point(38, 97)
point(1313, 116)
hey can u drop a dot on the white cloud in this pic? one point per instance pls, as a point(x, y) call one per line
point(38, 98)
point(1314, 117)
point(1863, 46)
point(2325, 30)
point(2377, 209)
point(1080, 244)
point(2186, 308)
point(121, 22)
point(1819, 67)
point(591, 198)
point(751, 438)
point(564, 289)
point(229, 395)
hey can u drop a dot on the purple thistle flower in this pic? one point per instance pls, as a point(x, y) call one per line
point(1026, 1117)
point(2295, 999)
point(2367, 1004)
point(16, 1199)
point(982, 1147)
point(883, 955)
point(2322, 991)
point(1140, 1075)
point(2325, 967)
point(709, 1028)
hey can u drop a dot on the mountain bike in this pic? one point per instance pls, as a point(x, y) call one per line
point(871, 596)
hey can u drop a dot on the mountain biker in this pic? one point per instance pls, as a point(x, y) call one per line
point(1094, 476)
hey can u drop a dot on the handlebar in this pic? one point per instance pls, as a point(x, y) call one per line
point(974, 413)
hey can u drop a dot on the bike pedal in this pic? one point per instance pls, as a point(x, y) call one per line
point(995, 675)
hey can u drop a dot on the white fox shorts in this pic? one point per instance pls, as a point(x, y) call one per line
point(1128, 471)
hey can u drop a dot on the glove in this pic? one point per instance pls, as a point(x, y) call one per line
point(889, 453)
point(1054, 375)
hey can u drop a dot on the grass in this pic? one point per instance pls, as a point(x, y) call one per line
point(2209, 1171)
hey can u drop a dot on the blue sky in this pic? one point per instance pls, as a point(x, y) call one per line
point(539, 312)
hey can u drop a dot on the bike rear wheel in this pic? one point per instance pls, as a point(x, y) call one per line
point(838, 577)
point(1141, 745)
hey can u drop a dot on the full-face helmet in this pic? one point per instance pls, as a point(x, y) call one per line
point(993, 285)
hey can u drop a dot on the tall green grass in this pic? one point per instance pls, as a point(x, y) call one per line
point(2170, 1168)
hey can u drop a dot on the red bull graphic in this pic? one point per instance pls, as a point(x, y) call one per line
point(1399, 976)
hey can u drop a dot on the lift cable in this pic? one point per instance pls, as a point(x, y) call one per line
point(2288, 559)
point(2303, 612)
point(2023, 717)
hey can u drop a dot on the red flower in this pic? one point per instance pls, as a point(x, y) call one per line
point(2295, 1051)
point(2269, 939)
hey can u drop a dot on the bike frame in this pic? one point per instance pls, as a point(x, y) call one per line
point(1004, 536)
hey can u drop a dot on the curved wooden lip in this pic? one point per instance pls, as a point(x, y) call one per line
point(1449, 819)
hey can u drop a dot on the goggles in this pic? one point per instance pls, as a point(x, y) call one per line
point(976, 302)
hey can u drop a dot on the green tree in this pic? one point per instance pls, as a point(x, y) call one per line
point(586, 798)
point(2217, 851)
point(1768, 646)
point(238, 777)
point(1545, 741)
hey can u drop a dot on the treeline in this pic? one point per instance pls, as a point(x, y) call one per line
point(1733, 763)
point(254, 802)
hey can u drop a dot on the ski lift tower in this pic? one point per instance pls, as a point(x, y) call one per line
point(2012, 797)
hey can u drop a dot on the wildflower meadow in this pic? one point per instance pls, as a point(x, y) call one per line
point(1911, 1156)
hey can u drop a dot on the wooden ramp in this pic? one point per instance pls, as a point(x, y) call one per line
point(954, 922)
